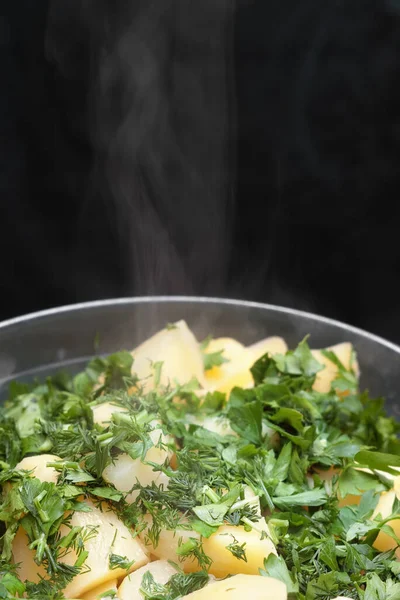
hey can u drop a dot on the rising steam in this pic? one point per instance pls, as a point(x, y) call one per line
point(159, 112)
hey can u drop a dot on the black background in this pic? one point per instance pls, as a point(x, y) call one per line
point(313, 172)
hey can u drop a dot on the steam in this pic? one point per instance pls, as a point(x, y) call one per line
point(159, 113)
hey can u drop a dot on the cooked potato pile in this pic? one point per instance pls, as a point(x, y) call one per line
point(188, 469)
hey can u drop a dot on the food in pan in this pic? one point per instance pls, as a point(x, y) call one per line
point(189, 469)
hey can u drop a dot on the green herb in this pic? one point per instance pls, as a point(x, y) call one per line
point(178, 586)
point(120, 562)
point(284, 441)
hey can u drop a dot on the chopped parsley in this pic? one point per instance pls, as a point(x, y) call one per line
point(289, 458)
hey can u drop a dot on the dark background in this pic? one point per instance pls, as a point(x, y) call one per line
point(195, 148)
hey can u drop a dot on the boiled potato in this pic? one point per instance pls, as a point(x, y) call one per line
point(177, 349)
point(112, 537)
point(97, 593)
point(349, 499)
point(384, 508)
point(272, 345)
point(168, 543)
point(161, 571)
point(102, 413)
point(124, 472)
point(324, 378)
point(396, 485)
point(220, 425)
point(39, 468)
point(240, 587)
point(225, 563)
point(354, 499)
point(236, 372)
point(27, 569)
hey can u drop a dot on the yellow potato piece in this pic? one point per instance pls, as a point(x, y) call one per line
point(177, 349)
point(217, 425)
point(385, 508)
point(396, 484)
point(161, 571)
point(236, 372)
point(109, 586)
point(272, 345)
point(38, 464)
point(250, 495)
point(324, 378)
point(112, 537)
point(125, 472)
point(168, 543)
point(355, 499)
point(102, 413)
point(241, 587)
point(27, 569)
point(225, 563)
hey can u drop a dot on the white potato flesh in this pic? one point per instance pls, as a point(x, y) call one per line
point(178, 350)
point(125, 471)
point(384, 508)
point(250, 495)
point(225, 563)
point(112, 537)
point(98, 592)
point(38, 464)
point(324, 378)
point(236, 372)
point(218, 425)
point(27, 570)
point(161, 571)
point(272, 345)
point(167, 544)
point(240, 587)
point(396, 485)
point(352, 499)
point(102, 413)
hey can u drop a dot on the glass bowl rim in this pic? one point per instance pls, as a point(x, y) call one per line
point(293, 312)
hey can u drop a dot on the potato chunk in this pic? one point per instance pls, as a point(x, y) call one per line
point(235, 372)
point(102, 413)
point(324, 378)
point(240, 587)
point(125, 472)
point(38, 464)
point(161, 571)
point(111, 536)
point(27, 570)
point(167, 544)
point(98, 593)
point(225, 563)
point(270, 345)
point(385, 508)
point(177, 349)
